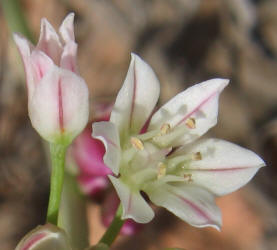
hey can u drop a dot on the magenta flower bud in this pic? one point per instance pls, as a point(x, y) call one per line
point(44, 238)
point(57, 95)
point(93, 185)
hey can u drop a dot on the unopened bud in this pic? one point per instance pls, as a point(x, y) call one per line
point(44, 238)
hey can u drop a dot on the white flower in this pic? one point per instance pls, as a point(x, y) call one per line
point(160, 155)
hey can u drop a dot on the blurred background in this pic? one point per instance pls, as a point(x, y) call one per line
point(185, 41)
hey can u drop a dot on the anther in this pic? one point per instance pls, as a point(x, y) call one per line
point(190, 122)
point(197, 156)
point(161, 170)
point(188, 176)
point(165, 128)
point(137, 143)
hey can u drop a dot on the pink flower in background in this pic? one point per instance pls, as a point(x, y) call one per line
point(88, 154)
point(57, 95)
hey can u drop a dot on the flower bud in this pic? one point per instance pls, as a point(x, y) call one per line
point(57, 95)
point(44, 238)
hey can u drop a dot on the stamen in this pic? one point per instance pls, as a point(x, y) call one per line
point(188, 176)
point(197, 156)
point(161, 170)
point(148, 135)
point(137, 143)
point(165, 128)
point(171, 136)
point(190, 122)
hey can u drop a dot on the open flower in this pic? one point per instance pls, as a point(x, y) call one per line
point(57, 95)
point(160, 155)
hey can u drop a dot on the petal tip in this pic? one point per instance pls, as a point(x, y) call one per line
point(69, 19)
point(44, 21)
point(18, 38)
point(225, 82)
point(218, 227)
point(221, 82)
point(71, 15)
point(16, 35)
point(134, 55)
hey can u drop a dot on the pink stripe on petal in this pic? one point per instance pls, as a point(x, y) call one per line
point(129, 204)
point(197, 210)
point(197, 108)
point(33, 240)
point(60, 103)
point(218, 169)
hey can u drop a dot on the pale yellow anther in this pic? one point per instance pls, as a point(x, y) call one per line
point(197, 156)
point(165, 128)
point(190, 122)
point(137, 143)
point(188, 177)
point(161, 170)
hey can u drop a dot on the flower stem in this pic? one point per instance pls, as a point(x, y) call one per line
point(114, 229)
point(57, 152)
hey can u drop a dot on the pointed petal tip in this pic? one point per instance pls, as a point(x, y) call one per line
point(18, 38)
point(23, 45)
point(68, 20)
point(220, 82)
point(16, 35)
point(45, 24)
point(44, 21)
point(66, 29)
point(133, 55)
point(70, 16)
point(225, 82)
point(214, 224)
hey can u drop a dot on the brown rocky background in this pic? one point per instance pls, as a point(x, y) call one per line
point(185, 41)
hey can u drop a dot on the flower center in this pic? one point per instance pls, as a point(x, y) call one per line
point(145, 156)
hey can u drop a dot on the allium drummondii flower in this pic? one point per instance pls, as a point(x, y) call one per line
point(160, 155)
point(57, 95)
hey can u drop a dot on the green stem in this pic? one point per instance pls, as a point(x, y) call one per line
point(15, 18)
point(57, 152)
point(72, 213)
point(114, 229)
